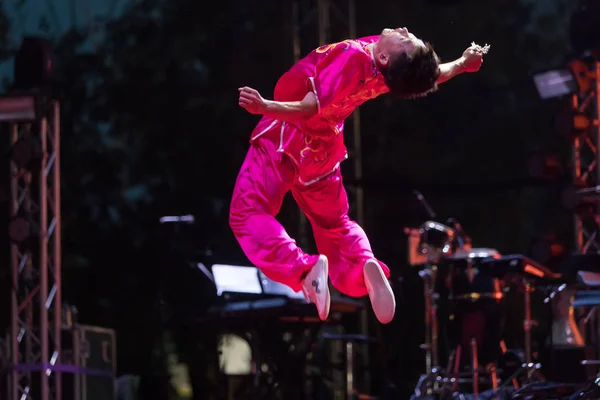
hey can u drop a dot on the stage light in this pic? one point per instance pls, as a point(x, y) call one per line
point(33, 64)
point(571, 124)
point(19, 230)
point(555, 83)
point(544, 165)
point(176, 219)
point(547, 248)
point(18, 108)
point(26, 153)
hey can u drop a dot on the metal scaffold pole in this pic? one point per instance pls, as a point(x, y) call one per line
point(316, 23)
point(331, 21)
point(34, 230)
point(585, 107)
point(585, 134)
point(298, 20)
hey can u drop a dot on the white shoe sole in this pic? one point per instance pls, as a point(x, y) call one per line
point(319, 273)
point(380, 292)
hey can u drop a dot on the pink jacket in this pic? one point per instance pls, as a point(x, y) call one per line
point(343, 76)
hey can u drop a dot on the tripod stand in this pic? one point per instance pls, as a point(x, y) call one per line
point(437, 380)
point(430, 382)
point(530, 369)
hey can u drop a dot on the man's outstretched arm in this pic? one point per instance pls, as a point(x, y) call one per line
point(471, 61)
point(450, 70)
point(286, 111)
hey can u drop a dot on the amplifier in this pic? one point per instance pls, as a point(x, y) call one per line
point(91, 354)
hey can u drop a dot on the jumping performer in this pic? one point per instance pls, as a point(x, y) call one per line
point(298, 146)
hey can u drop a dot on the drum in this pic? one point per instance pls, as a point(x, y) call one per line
point(435, 240)
point(475, 304)
point(467, 281)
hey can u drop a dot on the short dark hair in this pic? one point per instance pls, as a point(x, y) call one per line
point(412, 75)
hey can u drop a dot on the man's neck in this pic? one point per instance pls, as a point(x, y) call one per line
point(374, 49)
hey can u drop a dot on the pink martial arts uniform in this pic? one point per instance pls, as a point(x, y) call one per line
point(304, 156)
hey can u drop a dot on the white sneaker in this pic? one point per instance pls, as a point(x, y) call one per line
point(316, 287)
point(380, 292)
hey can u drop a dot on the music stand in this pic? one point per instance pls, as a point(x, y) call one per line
point(273, 288)
point(250, 281)
point(247, 280)
point(236, 279)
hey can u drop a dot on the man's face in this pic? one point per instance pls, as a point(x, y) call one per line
point(396, 40)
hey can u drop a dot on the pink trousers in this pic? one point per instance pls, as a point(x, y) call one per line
point(265, 177)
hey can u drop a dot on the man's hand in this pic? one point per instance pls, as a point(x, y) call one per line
point(286, 111)
point(252, 101)
point(472, 58)
point(470, 61)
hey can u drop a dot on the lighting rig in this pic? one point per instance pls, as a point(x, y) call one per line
point(33, 121)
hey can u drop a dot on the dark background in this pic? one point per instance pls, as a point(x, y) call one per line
point(151, 127)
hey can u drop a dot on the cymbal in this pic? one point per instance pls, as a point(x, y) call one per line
point(461, 254)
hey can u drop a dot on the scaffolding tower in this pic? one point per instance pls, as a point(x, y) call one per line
point(316, 23)
point(585, 118)
point(33, 123)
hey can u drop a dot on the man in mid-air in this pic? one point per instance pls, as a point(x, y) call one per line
point(298, 146)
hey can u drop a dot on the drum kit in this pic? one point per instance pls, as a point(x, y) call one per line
point(465, 296)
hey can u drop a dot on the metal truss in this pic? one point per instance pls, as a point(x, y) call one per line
point(34, 229)
point(585, 107)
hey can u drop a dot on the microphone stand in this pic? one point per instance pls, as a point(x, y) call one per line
point(425, 205)
point(549, 300)
point(433, 381)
